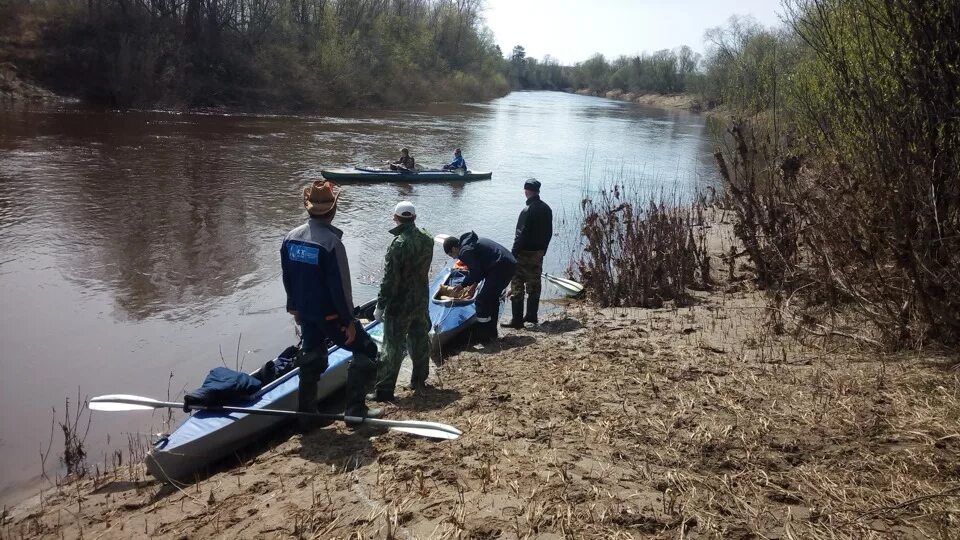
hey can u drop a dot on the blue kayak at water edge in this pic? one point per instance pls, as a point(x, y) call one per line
point(364, 174)
point(207, 436)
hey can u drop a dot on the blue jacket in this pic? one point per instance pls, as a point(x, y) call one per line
point(457, 163)
point(483, 257)
point(316, 275)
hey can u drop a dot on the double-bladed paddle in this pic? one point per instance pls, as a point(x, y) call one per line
point(123, 402)
point(568, 286)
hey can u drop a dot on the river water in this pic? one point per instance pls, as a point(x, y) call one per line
point(136, 248)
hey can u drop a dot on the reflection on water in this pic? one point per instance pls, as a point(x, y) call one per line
point(133, 245)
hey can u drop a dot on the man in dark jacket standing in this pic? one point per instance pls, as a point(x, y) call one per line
point(491, 263)
point(402, 303)
point(316, 277)
point(534, 231)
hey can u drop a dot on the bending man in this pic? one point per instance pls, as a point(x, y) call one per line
point(491, 263)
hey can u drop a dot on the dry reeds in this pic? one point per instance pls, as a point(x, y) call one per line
point(640, 252)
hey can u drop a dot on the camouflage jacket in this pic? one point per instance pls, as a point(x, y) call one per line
point(405, 287)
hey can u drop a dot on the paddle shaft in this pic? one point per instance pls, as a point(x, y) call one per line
point(301, 414)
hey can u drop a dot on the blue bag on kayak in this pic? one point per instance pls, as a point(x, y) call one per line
point(222, 386)
point(279, 366)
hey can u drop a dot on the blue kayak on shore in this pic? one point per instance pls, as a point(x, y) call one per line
point(207, 436)
point(369, 174)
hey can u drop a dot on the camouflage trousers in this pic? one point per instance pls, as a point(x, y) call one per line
point(529, 268)
point(400, 335)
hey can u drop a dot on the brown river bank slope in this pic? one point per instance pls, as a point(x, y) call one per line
point(604, 423)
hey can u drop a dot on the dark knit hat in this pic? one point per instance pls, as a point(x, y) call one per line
point(532, 184)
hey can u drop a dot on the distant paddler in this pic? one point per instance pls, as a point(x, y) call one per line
point(458, 163)
point(316, 278)
point(405, 163)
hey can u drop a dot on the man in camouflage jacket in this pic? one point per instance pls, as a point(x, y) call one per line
point(402, 303)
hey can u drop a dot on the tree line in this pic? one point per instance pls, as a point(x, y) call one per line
point(293, 54)
point(666, 71)
point(842, 164)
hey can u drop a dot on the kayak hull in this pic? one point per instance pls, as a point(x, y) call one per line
point(208, 436)
point(448, 318)
point(361, 174)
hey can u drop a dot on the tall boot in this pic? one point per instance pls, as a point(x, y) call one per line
point(360, 372)
point(517, 320)
point(486, 331)
point(533, 305)
point(312, 365)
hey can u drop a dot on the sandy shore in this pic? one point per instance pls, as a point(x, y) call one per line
point(687, 102)
point(602, 423)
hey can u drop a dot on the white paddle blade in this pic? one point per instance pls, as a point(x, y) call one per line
point(425, 432)
point(440, 238)
point(122, 402)
point(569, 286)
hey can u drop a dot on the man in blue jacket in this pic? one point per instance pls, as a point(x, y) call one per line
point(491, 263)
point(457, 163)
point(316, 277)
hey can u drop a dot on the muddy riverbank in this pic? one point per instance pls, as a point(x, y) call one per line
point(690, 423)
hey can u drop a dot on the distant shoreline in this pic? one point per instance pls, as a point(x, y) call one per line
point(684, 101)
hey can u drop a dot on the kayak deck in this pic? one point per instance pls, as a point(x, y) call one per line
point(207, 436)
point(367, 174)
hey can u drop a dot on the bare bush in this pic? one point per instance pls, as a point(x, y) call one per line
point(761, 188)
point(74, 457)
point(640, 252)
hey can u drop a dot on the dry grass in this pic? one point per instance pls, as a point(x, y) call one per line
point(605, 423)
point(666, 423)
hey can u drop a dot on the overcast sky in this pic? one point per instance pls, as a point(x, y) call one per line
point(573, 30)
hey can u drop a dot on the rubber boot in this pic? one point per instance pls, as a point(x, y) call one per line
point(381, 397)
point(485, 332)
point(312, 365)
point(362, 370)
point(533, 305)
point(517, 320)
point(307, 402)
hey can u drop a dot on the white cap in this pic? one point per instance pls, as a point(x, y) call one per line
point(405, 209)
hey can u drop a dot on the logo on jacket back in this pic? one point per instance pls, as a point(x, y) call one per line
point(302, 253)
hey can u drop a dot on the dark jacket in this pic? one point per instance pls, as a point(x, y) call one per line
point(534, 226)
point(483, 257)
point(316, 275)
point(406, 162)
point(405, 287)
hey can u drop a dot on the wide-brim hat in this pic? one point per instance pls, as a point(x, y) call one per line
point(320, 197)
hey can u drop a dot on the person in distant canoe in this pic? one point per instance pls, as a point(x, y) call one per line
point(402, 304)
point(491, 263)
point(405, 163)
point(457, 163)
point(534, 231)
point(316, 278)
